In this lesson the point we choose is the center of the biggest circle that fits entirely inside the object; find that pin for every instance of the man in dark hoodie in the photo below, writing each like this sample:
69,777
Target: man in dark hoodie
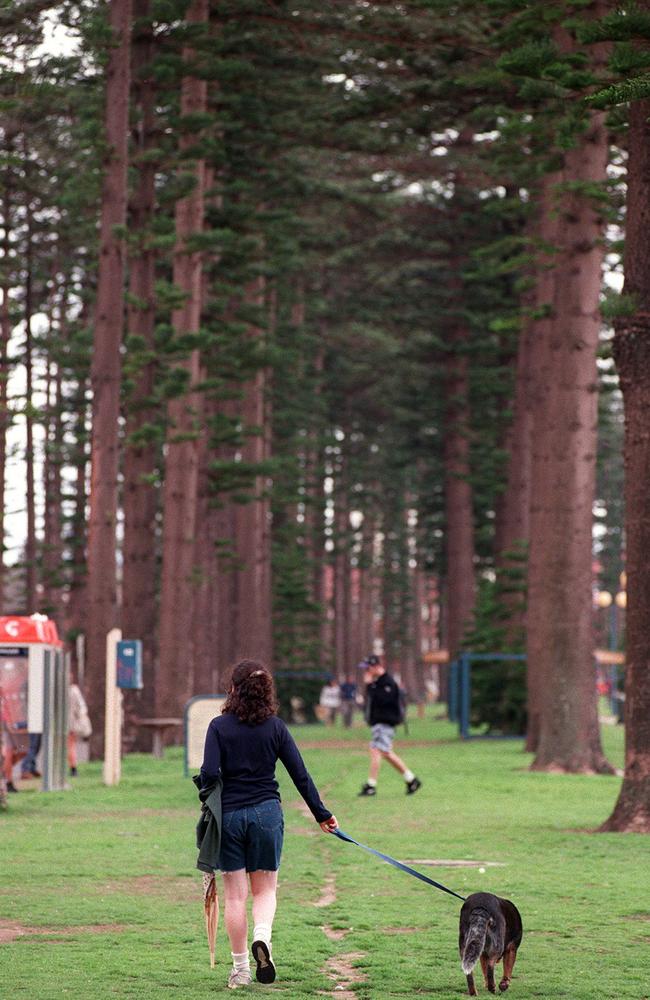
383,713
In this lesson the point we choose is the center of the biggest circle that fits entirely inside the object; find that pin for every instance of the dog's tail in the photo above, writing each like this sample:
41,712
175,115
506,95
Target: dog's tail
474,940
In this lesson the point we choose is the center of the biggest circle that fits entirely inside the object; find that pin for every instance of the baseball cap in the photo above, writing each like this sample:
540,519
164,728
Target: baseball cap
372,660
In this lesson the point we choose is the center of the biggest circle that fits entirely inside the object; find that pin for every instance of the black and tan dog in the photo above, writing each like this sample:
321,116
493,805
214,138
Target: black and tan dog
490,929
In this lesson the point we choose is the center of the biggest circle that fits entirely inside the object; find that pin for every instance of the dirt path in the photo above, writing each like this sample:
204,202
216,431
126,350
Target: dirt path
11,931
339,968
362,745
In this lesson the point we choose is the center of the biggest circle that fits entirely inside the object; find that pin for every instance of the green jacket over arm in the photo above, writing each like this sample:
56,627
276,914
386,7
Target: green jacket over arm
208,829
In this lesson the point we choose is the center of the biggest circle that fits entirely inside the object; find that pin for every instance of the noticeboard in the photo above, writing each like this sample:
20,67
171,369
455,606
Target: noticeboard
129,664
199,713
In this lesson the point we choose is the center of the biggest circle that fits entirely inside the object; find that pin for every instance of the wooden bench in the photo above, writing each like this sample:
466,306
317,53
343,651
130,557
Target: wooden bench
158,728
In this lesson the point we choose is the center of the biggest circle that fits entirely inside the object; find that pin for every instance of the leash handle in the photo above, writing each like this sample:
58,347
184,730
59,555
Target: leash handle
396,864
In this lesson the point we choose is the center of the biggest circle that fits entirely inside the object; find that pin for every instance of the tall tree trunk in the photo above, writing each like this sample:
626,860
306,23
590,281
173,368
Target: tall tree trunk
209,669
458,495
418,631
252,530
141,457
341,573
459,513
227,637
52,469
246,586
560,639
541,336
77,606
5,336
106,370
30,541
365,630
208,625
632,355
175,681
315,502
513,523
512,515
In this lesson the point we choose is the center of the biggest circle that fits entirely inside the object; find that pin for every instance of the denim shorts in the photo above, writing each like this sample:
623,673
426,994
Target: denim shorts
382,737
251,838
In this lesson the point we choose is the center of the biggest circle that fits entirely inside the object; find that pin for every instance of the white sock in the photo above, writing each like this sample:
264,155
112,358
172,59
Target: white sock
240,961
262,932
408,775
372,782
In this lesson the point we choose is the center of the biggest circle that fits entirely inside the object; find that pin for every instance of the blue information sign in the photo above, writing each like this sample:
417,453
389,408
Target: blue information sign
129,664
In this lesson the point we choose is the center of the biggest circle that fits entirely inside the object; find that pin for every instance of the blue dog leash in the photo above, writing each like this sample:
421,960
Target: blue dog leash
396,864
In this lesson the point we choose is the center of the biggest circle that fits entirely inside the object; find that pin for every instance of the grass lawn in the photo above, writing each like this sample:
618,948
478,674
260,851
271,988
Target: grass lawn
99,896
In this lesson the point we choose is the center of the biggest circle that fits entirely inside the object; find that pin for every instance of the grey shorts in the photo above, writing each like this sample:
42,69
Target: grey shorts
382,737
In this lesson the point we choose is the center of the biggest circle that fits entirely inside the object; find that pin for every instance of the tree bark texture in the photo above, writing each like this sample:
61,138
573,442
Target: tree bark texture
209,667
367,588
461,590
341,574
76,613
52,478
106,370
5,335
419,598
141,459
174,683
30,541
632,354
560,627
252,534
513,524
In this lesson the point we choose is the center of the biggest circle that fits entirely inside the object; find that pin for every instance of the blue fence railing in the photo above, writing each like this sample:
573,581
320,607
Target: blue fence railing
460,685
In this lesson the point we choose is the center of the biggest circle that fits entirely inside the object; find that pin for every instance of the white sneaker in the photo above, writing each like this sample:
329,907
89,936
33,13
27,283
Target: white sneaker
239,977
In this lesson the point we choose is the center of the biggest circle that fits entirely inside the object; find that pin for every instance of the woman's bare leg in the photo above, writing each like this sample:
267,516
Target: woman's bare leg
235,887
264,886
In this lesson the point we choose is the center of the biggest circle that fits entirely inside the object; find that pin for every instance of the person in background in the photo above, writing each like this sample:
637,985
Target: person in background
28,767
348,692
7,754
330,701
10,728
242,747
383,712
79,725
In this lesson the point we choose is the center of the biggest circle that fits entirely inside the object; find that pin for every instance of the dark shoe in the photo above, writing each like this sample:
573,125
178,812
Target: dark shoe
11,787
368,790
412,786
73,772
265,972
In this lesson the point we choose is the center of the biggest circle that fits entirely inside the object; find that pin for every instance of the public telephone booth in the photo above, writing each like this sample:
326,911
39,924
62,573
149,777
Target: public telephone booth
34,693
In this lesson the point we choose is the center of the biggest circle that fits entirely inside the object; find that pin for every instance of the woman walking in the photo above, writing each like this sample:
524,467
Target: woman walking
79,725
242,746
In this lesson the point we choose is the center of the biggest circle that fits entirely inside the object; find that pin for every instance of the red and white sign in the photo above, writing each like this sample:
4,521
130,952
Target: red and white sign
19,629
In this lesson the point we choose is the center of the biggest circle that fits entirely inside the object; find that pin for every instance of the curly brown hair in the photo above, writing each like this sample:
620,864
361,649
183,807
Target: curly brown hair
252,693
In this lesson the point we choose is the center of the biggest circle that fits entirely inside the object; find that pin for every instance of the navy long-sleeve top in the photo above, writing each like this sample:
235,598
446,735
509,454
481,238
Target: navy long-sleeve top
246,756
